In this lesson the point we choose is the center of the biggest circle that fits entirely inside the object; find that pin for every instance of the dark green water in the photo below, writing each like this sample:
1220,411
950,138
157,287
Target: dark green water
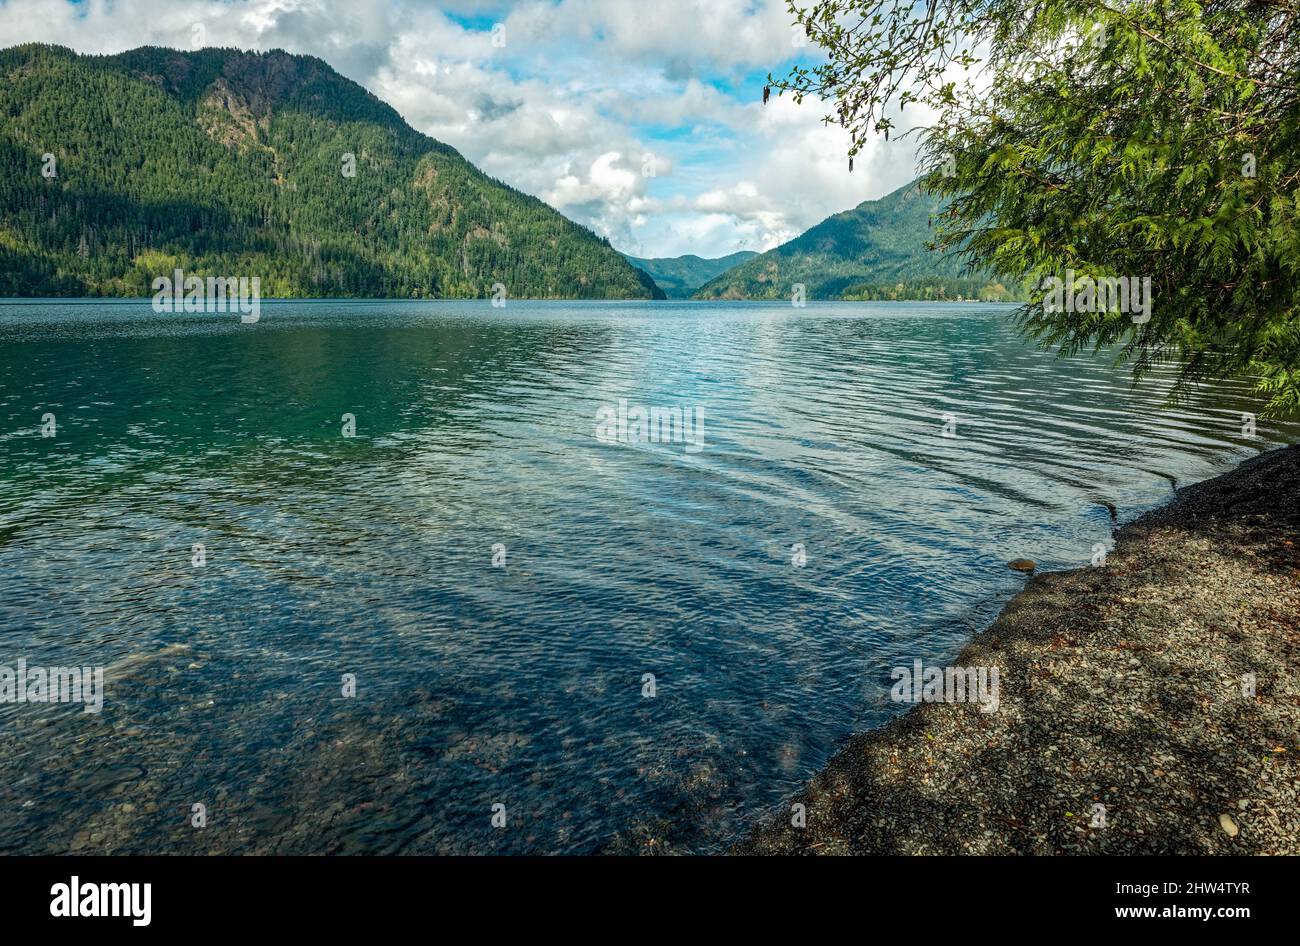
519,685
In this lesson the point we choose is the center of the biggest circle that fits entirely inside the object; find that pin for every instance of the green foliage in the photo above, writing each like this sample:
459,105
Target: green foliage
228,163
934,289
875,251
680,276
1131,138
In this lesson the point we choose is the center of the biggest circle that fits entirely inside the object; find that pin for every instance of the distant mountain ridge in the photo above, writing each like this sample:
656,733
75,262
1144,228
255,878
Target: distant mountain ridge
221,162
877,250
679,276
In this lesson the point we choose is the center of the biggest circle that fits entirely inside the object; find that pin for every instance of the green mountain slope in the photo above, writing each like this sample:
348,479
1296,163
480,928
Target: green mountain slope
874,251
679,276
230,163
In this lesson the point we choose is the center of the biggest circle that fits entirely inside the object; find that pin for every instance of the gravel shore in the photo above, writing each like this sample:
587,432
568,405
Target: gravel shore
1126,722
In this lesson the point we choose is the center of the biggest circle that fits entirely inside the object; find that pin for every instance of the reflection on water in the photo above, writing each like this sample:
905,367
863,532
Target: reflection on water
520,685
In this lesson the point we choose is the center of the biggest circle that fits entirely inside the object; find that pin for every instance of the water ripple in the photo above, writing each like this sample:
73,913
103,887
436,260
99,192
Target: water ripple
521,685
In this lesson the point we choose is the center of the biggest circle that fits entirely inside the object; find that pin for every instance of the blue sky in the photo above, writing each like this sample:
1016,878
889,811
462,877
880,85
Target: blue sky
639,118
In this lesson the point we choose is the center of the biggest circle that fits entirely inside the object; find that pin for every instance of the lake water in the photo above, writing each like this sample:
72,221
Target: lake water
825,531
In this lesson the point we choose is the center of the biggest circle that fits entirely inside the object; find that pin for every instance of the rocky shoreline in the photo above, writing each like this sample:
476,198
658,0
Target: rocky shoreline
1150,705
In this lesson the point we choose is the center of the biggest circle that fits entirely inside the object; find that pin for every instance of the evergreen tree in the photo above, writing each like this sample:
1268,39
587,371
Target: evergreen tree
1127,138
220,162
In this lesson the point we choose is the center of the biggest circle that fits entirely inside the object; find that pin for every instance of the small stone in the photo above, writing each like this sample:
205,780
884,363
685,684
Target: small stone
1022,565
1228,825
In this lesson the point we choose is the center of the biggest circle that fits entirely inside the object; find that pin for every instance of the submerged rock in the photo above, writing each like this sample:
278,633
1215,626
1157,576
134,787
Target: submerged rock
1022,564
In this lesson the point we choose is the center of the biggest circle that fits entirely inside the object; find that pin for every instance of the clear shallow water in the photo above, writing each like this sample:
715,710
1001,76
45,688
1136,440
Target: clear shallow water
520,685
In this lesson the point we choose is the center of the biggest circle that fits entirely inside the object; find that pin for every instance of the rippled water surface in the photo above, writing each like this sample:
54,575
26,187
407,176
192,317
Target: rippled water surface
519,685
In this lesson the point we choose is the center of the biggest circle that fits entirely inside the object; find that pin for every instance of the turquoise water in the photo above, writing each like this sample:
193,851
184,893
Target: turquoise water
521,684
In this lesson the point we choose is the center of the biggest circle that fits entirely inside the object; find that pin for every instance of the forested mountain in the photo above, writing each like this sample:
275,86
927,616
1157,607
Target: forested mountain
679,276
877,250
222,162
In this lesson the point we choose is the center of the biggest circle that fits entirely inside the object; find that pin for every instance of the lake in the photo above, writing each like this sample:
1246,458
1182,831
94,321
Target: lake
366,577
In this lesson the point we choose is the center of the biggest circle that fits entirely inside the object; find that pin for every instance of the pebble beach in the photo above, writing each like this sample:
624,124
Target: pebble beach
1149,705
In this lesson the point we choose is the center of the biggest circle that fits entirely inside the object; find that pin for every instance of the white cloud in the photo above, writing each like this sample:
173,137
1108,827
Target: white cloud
567,109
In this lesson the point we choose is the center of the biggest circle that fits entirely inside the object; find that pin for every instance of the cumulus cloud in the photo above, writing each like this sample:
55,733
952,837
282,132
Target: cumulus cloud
641,121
